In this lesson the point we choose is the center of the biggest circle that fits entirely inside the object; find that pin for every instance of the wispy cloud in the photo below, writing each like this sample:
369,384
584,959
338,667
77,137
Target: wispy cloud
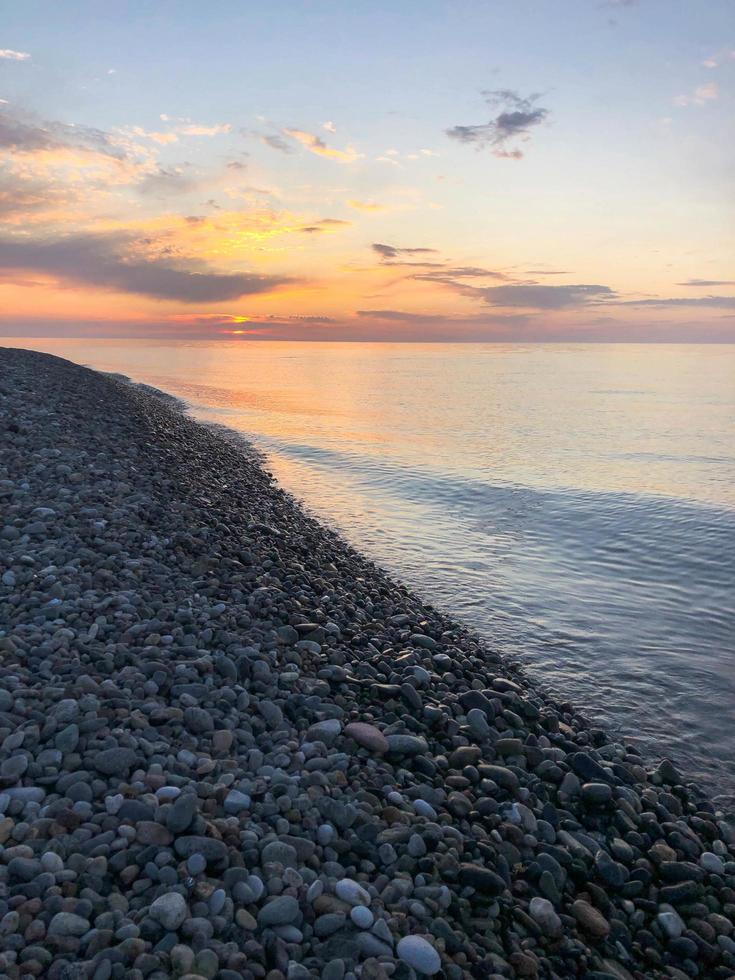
449,273
106,262
325,225
180,127
714,302
276,142
329,126
701,95
166,181
707,282
25,135
315,144
719,58
32,149
403,316
9,55
518,115
366,206
387,252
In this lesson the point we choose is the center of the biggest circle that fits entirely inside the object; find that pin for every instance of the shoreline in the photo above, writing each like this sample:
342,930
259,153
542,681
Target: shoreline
186,651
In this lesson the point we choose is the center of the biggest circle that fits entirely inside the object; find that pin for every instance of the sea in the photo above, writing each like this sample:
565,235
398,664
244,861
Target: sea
572,503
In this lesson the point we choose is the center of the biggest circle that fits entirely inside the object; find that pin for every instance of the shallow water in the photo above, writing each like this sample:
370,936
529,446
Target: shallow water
574,503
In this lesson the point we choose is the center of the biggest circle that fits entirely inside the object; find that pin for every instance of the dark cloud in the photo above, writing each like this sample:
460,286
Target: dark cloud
324,224
393,252
99,261
707,282
514,121
415,265
400,315
715,302
540,297
548,272
236,165
277,142
449,272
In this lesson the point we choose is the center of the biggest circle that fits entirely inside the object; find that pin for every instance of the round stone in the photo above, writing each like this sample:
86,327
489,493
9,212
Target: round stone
362,916
169,910
542,911
418,953
195,864
367,736
352,892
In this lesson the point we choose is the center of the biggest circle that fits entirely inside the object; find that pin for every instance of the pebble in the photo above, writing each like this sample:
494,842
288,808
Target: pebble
352,892
590,919
712,863
278,912
68,924
543,912
362,916
170,910
419,954
367,736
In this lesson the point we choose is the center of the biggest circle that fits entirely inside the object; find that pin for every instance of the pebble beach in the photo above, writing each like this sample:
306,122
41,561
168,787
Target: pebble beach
232,747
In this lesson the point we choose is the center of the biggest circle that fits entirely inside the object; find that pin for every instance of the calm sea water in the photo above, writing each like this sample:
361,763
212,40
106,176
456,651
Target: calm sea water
575,504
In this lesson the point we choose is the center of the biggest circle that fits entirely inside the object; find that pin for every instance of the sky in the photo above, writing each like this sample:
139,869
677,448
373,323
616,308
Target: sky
474,170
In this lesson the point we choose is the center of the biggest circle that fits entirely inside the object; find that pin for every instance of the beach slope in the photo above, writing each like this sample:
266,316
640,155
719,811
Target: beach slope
230,746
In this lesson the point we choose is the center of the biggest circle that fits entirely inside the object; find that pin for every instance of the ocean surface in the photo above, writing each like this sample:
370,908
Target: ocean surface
575,504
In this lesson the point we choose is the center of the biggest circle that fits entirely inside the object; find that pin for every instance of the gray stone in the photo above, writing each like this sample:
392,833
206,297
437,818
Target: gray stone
169,910
281,911
68,924
419,954
115,762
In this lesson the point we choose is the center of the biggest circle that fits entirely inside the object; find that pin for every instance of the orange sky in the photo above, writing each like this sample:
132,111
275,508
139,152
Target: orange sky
146,202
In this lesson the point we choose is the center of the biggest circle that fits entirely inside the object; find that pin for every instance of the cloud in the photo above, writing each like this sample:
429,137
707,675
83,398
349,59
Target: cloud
329,126
67,155
29,200
276,142
393,252
401,315
23,136
714,302
325,224
366,206
315,144
194,129
157,137
707,282
9,55
701,95
166,181
181,127
459,272
104,262
719,58
514,121
548,272
542,297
